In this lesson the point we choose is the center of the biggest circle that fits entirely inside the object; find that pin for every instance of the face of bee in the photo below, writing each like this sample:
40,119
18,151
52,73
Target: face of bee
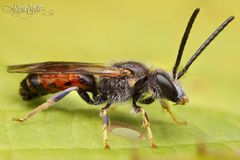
182,98
171,89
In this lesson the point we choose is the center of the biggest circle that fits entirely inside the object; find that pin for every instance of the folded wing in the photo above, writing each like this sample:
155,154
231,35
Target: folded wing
69,68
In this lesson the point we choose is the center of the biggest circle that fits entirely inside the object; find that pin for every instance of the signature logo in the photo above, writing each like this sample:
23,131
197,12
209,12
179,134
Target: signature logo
26,10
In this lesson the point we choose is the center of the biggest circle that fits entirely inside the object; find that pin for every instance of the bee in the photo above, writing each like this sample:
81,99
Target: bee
98,83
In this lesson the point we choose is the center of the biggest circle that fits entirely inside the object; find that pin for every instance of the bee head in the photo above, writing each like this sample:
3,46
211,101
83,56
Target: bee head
164,86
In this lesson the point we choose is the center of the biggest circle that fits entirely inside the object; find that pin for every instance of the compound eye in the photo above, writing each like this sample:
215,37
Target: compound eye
167,87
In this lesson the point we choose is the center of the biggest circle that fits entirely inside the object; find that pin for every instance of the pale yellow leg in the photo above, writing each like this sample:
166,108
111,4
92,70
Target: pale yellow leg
51,101
106,124
146,124
166,106
43,106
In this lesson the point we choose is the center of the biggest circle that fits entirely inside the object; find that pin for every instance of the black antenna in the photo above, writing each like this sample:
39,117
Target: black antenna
184,40
204,45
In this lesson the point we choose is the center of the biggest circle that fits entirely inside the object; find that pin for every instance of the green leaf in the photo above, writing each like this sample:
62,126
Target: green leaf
115,31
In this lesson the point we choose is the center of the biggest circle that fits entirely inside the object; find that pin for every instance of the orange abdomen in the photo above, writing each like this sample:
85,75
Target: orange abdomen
55,83
35,85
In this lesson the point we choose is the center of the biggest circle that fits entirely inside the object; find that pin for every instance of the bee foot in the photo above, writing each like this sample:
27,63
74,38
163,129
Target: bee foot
106,147
154,146
19,119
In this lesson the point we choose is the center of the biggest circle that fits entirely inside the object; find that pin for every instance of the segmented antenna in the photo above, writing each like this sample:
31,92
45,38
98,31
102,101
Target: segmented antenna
184,40
204,45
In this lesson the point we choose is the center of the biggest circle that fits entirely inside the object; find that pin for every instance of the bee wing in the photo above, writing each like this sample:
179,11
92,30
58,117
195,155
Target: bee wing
68,68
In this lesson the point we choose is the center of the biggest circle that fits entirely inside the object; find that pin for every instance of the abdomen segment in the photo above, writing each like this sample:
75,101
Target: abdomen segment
35,85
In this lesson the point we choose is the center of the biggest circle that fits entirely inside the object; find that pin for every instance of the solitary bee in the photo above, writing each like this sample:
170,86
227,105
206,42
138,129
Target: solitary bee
97,84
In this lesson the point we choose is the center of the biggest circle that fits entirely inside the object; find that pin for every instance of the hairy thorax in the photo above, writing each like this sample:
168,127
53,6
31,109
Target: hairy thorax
120,89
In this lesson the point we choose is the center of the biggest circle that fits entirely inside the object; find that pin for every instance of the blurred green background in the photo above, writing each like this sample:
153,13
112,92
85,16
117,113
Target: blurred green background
111,31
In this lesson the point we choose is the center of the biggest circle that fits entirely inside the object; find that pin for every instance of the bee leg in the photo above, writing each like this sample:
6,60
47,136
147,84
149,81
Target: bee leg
97,99
147,100
166,106
146,123
139,87
106,125
47,104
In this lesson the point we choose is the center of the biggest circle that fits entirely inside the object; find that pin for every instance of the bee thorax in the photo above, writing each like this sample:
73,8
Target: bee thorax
115,89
